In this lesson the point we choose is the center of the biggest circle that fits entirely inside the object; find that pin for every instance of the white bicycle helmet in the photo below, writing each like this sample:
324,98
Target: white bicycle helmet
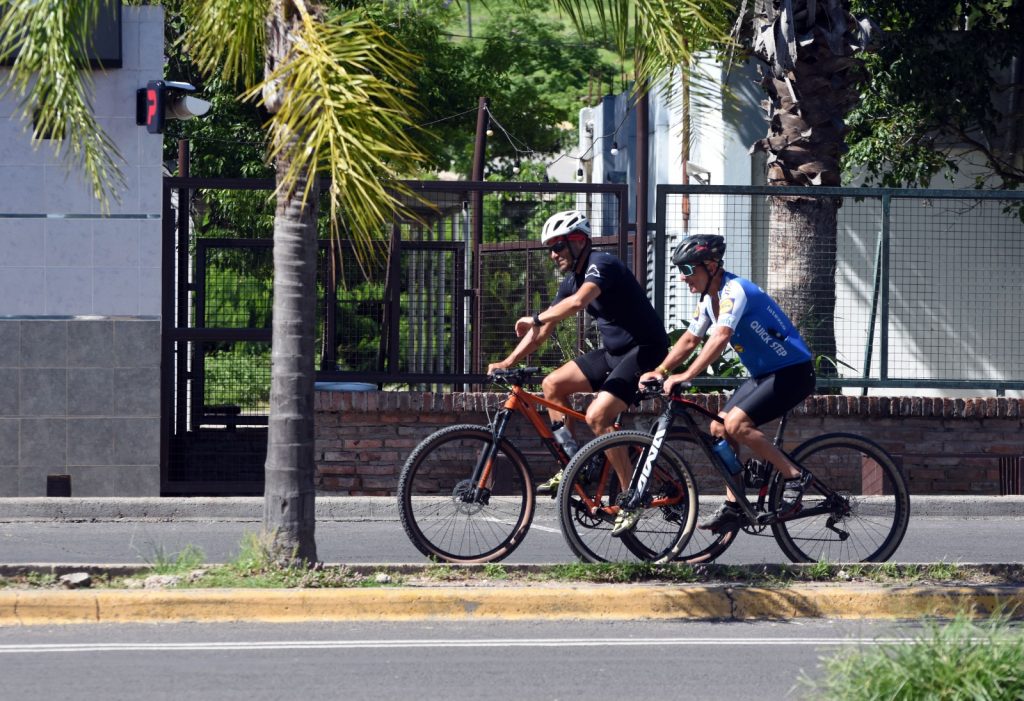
563,224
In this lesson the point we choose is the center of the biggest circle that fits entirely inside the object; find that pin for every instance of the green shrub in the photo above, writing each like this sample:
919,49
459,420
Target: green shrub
956,661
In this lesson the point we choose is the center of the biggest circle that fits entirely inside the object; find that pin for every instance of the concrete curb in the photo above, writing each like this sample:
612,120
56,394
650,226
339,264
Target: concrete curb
369,508
605,602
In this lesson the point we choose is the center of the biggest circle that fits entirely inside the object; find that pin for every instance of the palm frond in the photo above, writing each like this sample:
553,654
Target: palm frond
227,36
672,32
52,83
346,114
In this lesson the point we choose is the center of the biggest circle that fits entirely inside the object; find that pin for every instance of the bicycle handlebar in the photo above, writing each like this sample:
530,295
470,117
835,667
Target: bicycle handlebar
513,376
655,388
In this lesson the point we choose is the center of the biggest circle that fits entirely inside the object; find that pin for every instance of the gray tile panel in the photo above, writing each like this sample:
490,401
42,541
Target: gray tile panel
9,434
44,343
90,391
43,443
10,379
90,441
10,343
91,343
44,392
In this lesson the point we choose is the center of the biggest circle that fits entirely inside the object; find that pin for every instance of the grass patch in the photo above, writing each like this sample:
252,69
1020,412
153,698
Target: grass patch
254,567
958,660
187,560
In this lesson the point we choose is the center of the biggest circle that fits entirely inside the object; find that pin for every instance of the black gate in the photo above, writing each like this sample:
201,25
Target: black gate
429,311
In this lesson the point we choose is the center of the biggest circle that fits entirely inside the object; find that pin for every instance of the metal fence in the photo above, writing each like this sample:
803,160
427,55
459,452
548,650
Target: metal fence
925,289
927,285
433,305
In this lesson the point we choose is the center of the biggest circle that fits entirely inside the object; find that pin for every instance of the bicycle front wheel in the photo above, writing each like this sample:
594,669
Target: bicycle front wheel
588,494
855,510
703,546
449,518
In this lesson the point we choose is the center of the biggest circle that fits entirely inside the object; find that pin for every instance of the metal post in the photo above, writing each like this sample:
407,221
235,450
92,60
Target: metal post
642,166
883,333
869,344
477,199
659,252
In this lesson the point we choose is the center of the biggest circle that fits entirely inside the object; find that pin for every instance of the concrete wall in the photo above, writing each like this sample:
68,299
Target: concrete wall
946,446
80,296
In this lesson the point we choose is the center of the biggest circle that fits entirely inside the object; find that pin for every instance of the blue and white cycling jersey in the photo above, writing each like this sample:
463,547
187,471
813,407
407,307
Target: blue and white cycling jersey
763,336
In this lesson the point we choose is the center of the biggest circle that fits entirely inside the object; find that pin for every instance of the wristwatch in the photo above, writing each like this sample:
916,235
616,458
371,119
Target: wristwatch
536,320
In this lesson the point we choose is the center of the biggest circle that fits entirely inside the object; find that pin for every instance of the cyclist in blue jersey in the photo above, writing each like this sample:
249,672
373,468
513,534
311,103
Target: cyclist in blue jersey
633,337
734,311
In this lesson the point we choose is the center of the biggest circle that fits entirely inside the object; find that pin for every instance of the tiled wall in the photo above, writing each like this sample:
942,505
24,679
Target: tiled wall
80,397
80,296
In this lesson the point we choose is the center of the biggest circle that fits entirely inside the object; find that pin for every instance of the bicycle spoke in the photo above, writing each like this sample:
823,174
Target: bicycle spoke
437,505
862,476
667,504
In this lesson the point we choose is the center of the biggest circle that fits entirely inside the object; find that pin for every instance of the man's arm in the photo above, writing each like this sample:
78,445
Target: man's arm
533,335
713,348
679,352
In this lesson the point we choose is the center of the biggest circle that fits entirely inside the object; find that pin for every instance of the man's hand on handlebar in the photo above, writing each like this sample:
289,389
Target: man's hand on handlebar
493,367
652,383
518,376
675,385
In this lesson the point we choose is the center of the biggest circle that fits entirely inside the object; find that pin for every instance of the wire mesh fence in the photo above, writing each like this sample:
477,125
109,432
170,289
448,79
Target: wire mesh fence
890,288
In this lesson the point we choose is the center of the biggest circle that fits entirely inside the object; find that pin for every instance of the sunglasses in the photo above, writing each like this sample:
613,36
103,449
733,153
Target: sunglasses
687,269
559,246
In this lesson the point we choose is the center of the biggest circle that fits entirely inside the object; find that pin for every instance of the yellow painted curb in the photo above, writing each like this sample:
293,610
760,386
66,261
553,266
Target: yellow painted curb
606,602
853,601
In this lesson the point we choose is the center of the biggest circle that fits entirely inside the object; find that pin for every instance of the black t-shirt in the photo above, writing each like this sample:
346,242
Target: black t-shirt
624,315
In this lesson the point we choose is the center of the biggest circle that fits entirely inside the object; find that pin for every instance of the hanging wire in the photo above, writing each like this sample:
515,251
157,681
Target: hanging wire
528,153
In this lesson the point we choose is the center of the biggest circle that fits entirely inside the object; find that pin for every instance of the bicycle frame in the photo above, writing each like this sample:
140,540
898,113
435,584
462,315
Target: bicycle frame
525,403
683,408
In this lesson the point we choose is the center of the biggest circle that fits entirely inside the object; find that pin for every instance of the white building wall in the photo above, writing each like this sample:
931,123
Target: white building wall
80,297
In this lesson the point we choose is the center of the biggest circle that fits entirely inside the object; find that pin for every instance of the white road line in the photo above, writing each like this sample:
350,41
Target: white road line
397,644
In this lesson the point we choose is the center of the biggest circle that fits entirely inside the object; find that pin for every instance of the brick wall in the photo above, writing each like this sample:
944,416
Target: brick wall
947,446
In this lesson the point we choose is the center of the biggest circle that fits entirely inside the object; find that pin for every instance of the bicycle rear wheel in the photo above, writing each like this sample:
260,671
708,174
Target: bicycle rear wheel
436,504
589,490
864,497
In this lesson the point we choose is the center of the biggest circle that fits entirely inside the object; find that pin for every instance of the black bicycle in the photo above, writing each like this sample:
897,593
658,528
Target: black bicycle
856,508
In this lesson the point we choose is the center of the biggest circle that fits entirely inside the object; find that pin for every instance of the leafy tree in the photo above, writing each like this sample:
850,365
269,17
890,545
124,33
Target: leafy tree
335,90
811,51
945,85
535,74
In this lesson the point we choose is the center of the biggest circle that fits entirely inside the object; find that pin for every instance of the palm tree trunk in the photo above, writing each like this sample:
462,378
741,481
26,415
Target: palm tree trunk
289,517
802,268
811,48
289,497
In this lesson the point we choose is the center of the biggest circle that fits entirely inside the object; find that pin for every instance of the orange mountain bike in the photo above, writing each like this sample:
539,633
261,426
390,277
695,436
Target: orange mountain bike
466,492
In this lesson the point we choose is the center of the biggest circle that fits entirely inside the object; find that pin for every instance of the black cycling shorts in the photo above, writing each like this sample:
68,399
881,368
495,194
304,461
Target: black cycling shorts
770,396
619,374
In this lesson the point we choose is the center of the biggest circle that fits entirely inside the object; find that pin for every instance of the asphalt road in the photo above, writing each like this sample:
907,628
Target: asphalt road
456,661
929,539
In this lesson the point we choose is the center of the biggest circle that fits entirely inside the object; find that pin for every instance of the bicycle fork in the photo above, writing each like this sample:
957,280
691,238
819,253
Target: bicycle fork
482,475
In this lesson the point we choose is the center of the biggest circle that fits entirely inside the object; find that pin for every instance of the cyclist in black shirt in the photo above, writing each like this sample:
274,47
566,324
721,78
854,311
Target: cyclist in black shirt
633,338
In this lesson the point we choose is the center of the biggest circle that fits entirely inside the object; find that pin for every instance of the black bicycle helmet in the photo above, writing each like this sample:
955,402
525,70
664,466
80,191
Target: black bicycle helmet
698,248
